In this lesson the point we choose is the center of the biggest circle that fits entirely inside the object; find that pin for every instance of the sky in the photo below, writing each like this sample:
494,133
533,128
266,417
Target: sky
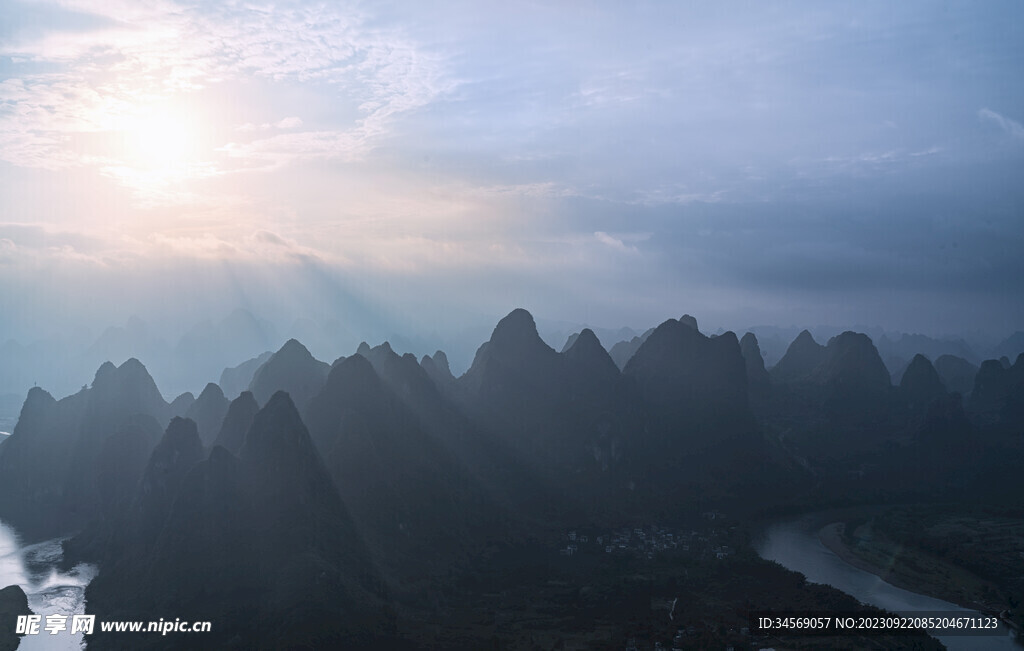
419,166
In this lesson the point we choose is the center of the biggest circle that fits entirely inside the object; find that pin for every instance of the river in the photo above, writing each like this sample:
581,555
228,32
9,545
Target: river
50,591
794,544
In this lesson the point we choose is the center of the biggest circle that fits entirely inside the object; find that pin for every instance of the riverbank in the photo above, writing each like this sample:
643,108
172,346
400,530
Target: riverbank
912,572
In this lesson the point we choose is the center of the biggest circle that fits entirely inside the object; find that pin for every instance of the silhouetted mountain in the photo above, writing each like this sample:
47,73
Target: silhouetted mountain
998,395
534,399
802,359
758,379
35,459
856,382
235,380
695,387
991,391
262,545
122,462
852,362
689,322
570,340
598,407
178,450
116,395
623,351
591,359
297,501
237,422
180,405
208,412
54,460
437,368
515,357
957,373
135,520
426,506
921,384
293,370
13,602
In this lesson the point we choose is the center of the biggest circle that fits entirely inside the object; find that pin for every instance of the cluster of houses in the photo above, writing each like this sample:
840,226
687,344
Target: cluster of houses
647,541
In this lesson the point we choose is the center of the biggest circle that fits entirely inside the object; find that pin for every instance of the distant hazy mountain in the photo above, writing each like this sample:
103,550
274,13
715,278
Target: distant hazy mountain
236,422
291,369
905,346
1010,347
623,351
802,359
235,380
957,373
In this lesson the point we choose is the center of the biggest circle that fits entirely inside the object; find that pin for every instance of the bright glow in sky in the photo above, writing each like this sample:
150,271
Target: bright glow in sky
747,162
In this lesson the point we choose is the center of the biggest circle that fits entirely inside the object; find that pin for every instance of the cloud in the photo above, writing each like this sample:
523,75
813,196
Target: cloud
1013,128
614,242
71,84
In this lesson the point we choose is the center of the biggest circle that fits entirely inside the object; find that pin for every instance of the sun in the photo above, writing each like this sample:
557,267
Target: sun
161,138
153,147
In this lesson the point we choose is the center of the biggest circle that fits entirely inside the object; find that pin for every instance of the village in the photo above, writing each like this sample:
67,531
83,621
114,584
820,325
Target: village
707,538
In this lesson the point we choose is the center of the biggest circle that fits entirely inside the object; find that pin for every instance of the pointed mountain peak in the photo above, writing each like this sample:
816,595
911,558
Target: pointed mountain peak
689,322
132,366
570,341
356,373
104,373
748,343
757,376
586,342
515,329
272,426
852,359
921,382
293,369
384,348
437,368
278,441
237,422
212,391
364,349
293,348
37,398
804,338
208,412
181,404
588,352
802,359
441,359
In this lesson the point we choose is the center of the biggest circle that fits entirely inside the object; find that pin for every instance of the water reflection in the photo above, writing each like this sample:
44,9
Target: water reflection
50,591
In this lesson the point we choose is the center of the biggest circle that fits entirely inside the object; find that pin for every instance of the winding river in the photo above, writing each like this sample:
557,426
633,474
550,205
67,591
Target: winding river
794,544
35,568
